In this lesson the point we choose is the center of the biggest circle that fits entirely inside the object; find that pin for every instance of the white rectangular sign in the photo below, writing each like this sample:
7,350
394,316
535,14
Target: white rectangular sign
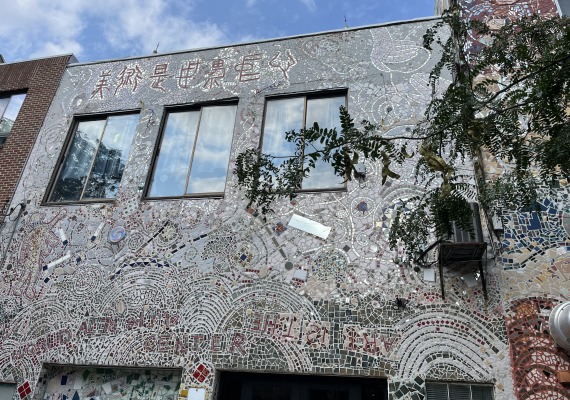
310,226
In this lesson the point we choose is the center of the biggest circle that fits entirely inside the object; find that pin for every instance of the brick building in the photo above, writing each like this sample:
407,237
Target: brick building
26,91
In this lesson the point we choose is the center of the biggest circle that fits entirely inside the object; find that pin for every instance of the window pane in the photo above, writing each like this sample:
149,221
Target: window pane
73,175
326,113
7,391
3,103
173,162
281,116
9,109
212,154
5,126
459,392
14,106
482,392
111,158
436,391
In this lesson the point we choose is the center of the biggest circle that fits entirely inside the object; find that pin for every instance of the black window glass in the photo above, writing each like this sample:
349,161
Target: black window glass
95,160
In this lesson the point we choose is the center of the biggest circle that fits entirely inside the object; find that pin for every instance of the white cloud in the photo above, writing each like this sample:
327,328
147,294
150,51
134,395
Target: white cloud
62,47
140,25
34,28
310,4
30,28
248,38
250,3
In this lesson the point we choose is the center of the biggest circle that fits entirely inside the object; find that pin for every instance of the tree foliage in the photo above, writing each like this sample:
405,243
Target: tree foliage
509,96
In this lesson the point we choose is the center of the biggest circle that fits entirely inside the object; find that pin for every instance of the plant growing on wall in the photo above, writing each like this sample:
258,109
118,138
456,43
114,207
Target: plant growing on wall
509,96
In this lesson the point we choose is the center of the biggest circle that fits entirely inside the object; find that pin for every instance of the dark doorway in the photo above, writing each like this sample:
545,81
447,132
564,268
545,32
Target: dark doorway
251,386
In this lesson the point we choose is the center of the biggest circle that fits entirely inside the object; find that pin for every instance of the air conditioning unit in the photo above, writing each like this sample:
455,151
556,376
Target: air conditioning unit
461,236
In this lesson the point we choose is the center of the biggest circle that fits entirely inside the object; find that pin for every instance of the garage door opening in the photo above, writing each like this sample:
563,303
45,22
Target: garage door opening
251,386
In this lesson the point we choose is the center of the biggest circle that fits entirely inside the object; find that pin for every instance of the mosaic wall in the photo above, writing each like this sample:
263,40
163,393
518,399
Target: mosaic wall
536,358
204,284
489,10
534,252
535,267
497,13
75,383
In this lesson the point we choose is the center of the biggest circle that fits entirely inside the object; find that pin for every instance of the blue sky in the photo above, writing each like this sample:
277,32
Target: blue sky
103,29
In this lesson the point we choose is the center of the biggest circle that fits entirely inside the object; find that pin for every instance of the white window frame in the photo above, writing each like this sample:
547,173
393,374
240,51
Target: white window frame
149,195
4,134
335,93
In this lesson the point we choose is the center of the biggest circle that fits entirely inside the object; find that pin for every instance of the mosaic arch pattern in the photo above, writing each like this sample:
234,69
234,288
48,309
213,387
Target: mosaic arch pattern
203,284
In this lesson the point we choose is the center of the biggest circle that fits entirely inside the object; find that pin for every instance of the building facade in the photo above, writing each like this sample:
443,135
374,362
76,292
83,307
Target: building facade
26,90
533,256
137,271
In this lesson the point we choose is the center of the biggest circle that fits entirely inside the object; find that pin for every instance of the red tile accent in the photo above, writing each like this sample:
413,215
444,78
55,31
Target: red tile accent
201,373
24,389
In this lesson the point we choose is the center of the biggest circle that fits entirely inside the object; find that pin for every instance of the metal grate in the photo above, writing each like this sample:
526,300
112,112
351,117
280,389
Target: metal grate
458,391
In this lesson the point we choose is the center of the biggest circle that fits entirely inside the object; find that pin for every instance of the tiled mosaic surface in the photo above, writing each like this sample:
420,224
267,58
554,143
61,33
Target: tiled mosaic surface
536,358
536,277
202,284
497,13
75,383
534,253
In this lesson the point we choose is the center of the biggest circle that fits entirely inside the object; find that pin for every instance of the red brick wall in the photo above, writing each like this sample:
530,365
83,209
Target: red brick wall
40,80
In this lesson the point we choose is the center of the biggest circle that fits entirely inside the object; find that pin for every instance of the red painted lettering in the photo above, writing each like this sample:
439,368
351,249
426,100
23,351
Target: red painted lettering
238,342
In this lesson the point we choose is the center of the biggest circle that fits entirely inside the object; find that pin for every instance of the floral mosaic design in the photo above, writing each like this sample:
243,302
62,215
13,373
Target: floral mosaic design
497,13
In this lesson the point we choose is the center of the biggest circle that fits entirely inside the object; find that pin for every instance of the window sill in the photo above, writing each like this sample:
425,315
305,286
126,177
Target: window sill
214,196
317,191
77,203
